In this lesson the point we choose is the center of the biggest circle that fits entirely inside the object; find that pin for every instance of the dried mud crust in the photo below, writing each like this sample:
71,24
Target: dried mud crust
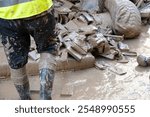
126,17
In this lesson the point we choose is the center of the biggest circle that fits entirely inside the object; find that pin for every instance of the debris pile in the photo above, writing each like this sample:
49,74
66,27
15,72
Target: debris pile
86,29
82,32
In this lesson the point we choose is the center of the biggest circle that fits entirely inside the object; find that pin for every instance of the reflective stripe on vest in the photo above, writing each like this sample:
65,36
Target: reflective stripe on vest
16,9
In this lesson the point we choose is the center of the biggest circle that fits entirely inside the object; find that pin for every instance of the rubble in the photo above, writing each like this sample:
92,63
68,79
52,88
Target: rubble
86,32
89,31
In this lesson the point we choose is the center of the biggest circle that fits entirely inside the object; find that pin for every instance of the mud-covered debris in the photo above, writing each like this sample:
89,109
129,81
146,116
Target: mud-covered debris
100,66
96,39
88,17
88,30
34,55
91,6
116,38
71,26
129,53
112,54
75,54
104,65
123,47
143,60
123,59
138,3
83,31
145,11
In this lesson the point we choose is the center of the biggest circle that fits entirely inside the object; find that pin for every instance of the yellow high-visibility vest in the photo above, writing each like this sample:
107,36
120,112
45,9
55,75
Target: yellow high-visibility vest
17,9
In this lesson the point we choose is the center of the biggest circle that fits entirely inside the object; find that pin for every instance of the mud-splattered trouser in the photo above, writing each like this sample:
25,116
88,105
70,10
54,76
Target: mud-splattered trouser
16,41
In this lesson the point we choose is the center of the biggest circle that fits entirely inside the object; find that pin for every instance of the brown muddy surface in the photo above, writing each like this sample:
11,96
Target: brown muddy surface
99,84
96,84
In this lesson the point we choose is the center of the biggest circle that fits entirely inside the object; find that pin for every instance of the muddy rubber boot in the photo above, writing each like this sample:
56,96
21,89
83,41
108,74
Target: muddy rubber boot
46,83
143,60
23,91
21,82
47,65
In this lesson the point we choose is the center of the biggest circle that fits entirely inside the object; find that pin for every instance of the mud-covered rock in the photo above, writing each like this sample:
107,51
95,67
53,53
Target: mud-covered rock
126,17
143,60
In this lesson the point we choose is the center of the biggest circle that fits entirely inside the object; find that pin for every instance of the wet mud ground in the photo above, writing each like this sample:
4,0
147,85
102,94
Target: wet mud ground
95,84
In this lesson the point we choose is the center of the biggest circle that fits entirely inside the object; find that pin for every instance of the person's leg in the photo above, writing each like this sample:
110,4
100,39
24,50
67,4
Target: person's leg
43,31
21,82
16,45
